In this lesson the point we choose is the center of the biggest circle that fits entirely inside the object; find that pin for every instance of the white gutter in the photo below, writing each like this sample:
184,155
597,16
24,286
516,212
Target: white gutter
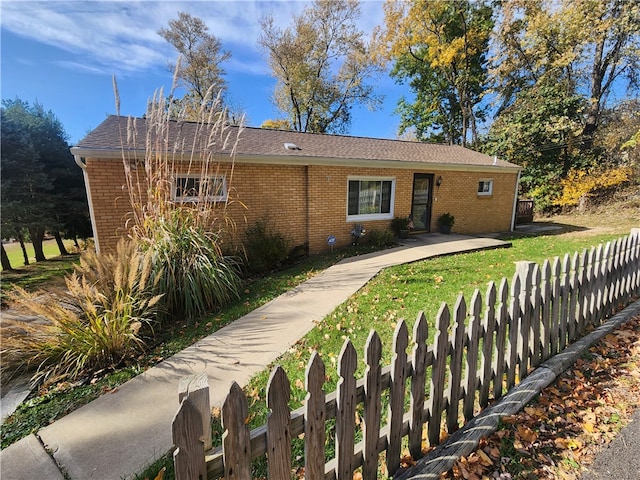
300,160
92,214
515,203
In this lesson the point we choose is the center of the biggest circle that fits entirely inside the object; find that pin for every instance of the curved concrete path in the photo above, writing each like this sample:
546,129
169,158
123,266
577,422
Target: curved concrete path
119,434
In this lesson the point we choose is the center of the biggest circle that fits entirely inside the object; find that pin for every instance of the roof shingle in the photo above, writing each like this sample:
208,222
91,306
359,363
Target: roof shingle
258,142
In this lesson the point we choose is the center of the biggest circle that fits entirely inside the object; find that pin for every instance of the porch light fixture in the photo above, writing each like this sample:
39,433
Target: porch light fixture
439,181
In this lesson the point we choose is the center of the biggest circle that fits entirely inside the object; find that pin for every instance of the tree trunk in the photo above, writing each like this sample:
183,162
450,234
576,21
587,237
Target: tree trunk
61,247
37,237
6,264
603,62
591,124
23,247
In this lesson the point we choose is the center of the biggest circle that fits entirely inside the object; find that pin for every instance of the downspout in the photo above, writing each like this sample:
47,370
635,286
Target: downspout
307,196
515,203
92,214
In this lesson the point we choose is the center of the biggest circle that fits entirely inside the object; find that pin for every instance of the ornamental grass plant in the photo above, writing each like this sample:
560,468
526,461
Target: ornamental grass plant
195,277
184,236
171,266
99,321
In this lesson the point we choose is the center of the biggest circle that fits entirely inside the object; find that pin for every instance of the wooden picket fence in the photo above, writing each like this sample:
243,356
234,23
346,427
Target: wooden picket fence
488,351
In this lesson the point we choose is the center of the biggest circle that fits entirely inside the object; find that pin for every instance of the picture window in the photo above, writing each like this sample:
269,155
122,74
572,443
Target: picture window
370,198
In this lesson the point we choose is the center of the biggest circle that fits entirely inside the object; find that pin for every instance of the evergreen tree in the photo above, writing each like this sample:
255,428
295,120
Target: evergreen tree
42,188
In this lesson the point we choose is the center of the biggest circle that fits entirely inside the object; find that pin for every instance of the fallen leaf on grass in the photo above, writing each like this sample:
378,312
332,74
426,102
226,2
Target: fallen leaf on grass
526,434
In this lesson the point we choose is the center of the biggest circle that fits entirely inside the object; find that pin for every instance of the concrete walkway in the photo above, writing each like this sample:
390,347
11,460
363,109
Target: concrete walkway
120,433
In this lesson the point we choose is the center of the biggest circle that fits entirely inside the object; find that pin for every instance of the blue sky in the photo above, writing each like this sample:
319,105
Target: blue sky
64,54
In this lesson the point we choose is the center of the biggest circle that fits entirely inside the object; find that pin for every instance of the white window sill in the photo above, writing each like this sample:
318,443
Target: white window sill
368,218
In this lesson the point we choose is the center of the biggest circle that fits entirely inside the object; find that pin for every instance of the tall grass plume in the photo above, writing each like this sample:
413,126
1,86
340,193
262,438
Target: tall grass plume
185,237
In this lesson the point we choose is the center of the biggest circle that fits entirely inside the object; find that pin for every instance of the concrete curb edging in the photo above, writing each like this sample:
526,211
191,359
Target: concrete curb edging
464,441
29,460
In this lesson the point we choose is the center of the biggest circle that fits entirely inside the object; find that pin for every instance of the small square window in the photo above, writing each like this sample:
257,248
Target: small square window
485,187
194,188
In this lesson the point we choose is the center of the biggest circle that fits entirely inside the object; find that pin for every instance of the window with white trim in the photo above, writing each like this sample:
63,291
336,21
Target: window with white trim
193,188
485,187
370,198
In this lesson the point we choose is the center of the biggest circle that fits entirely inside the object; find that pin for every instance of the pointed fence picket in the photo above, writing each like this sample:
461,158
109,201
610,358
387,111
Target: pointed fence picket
486,354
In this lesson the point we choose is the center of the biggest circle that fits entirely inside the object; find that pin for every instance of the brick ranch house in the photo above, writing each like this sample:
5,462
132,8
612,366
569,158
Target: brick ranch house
312,186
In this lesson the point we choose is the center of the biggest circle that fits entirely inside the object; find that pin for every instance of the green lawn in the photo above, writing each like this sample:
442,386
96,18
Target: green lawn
401,293
50,248
397,293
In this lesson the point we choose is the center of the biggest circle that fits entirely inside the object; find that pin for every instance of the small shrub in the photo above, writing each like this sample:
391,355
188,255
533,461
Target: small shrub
380,238
581,185
265,248
96,323
399,223
446,220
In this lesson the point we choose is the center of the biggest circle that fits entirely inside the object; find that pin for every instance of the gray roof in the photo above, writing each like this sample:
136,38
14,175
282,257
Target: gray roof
269,146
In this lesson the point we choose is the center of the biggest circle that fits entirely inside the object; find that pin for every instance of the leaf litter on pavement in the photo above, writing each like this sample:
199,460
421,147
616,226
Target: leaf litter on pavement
558,434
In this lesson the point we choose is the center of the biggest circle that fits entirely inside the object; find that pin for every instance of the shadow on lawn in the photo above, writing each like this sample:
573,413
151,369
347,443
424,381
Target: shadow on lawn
542,228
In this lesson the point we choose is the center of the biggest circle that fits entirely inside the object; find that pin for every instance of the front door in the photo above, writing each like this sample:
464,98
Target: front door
421,203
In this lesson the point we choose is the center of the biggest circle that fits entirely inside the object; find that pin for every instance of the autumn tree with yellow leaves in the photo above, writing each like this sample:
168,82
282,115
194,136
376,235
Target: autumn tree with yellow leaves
440,49
592,46
561,71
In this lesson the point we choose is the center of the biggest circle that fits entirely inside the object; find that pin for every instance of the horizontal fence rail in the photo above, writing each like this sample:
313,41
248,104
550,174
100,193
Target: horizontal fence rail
480,351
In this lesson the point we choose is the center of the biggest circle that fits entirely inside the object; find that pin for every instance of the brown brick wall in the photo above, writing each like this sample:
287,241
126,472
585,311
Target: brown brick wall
274,194
328,203
110,200
277,194
458,195
271,193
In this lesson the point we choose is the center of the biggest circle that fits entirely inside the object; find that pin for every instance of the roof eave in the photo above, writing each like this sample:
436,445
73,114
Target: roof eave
131,154
356,162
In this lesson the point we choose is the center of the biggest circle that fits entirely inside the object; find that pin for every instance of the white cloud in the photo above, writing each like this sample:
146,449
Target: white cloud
101,35
122,36
79,67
